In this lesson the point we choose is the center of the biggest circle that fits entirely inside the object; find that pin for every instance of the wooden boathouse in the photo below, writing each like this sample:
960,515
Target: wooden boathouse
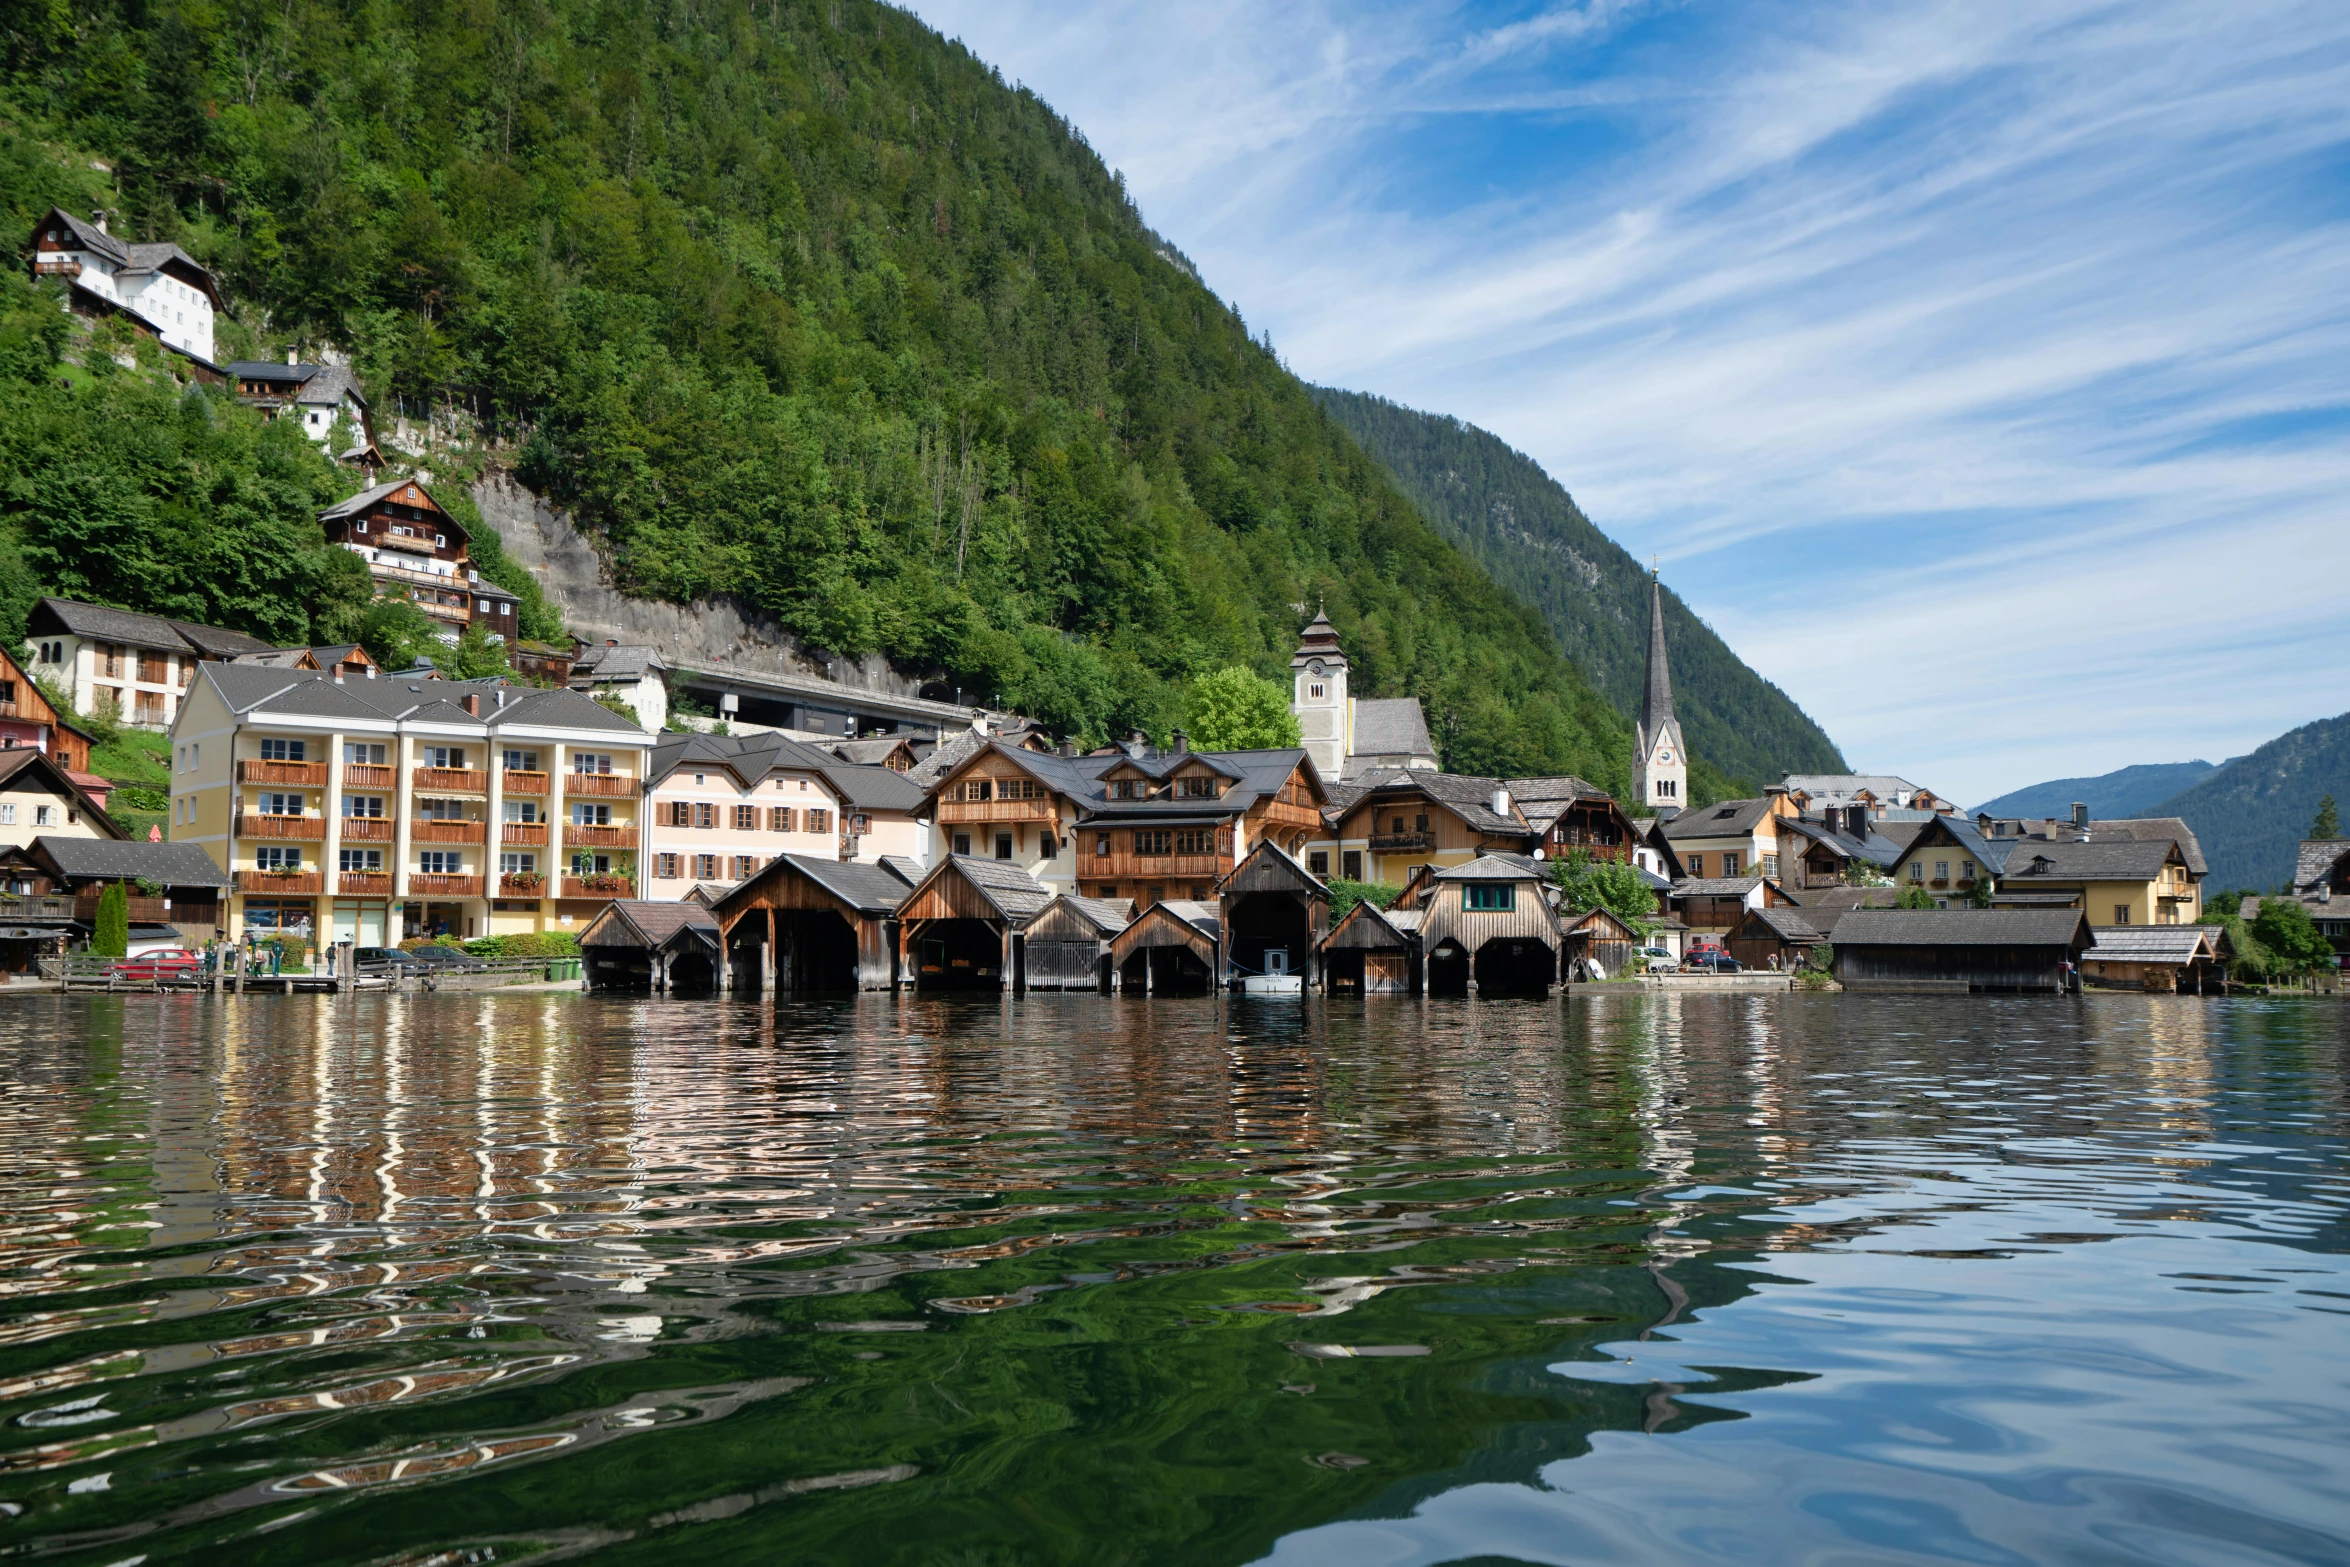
656,947
1373,952
806,923
1489,923
1272,914
2176,959
2032,951
1171,946
960,928
1067,947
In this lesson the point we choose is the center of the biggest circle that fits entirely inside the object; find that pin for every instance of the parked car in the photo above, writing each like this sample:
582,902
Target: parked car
1710,960
446,958
161,963
1656,957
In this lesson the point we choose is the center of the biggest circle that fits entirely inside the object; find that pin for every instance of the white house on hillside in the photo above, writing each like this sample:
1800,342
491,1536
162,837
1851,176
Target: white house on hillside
160,287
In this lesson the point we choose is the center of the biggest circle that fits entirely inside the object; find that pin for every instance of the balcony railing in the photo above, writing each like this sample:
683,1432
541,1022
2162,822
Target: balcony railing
524,835
577,837
38,907
519,782
605,887
299,884
367,829
10,710
148,911
307,775
366,775
364,884
57,269
522,884
1165,867
452,780
1388,843
622,784
308,829
995,810
448,832
435,885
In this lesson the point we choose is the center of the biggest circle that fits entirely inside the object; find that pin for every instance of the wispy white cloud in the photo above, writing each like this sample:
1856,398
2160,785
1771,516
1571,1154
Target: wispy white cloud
1936,346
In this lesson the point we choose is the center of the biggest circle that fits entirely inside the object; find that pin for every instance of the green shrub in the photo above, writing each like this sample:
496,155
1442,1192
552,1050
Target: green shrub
111,931
526,944
1344,895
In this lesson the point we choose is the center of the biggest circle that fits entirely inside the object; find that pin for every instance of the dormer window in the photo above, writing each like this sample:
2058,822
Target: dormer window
1196,786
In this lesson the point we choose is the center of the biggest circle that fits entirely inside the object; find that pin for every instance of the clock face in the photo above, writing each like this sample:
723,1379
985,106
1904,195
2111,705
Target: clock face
1315,669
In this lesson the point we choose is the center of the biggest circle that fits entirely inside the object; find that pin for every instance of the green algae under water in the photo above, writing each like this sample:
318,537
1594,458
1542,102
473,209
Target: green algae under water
1078,1279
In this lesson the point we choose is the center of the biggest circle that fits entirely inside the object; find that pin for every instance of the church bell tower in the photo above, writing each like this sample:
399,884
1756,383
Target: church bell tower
1660,762
1318,696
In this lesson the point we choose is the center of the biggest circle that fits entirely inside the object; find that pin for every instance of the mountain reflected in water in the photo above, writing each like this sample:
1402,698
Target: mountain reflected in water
1088,1279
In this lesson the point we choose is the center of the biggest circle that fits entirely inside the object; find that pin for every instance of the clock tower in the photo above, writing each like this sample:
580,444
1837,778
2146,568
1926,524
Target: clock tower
1318,697
1660,762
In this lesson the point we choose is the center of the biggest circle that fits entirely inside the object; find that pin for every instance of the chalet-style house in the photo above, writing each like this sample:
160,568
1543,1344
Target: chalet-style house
38,797
415,550
2126,881
1946,857
347,659
720,808
53,885
29,721
138,664
314,397
634,674
1349,736
2321,884
1883,795
160,289
1135,823
1714,906
1733,838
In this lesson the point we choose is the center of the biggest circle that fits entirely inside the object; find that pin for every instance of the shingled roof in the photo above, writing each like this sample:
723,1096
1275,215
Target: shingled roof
1391,726
2156,943
113,859
1961,928
104,624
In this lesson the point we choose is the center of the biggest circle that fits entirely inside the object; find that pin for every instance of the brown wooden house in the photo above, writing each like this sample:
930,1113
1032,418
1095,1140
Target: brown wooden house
1174,945
1067,947
29,719
415,550
960,928
806,923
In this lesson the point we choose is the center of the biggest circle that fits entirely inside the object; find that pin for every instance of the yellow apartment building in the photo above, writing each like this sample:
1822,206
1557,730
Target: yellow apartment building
373,810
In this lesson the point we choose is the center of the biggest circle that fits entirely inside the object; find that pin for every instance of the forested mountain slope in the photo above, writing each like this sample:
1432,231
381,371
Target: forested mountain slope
1516,521
797,301
2251,814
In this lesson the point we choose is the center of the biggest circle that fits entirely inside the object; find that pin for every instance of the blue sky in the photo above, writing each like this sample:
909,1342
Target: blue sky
1980,371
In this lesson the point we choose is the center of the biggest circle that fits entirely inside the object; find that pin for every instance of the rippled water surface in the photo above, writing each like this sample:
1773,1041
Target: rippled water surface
1090,1280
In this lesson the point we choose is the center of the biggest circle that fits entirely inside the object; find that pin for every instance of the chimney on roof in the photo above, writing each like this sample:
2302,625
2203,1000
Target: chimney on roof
1182,743
98,216
473,704
1500,801
2081,819
293,357
338,674
1068,745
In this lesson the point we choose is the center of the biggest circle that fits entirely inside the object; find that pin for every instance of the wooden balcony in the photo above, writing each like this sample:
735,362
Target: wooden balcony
15,911
1284,814
995,811
1153,867
522,884
367,829
448,832
146,911
302,775
451,780
364,884
306,829
576,837
1394,842
605,887
57,269
302,884
421,885
11,710
524,835
516,781
622,785
365,775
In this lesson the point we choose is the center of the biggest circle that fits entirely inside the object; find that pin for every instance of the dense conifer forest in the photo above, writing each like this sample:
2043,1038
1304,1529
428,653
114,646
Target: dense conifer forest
1517,522
795,301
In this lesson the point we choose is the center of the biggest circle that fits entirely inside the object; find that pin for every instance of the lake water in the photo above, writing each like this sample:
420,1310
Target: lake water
1074,1279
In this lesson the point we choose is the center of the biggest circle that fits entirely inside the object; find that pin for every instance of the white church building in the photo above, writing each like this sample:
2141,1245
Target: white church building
1345,735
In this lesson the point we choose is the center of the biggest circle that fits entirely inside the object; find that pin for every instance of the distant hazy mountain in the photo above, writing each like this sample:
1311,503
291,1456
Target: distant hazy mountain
1527,532
2251,813
2124,793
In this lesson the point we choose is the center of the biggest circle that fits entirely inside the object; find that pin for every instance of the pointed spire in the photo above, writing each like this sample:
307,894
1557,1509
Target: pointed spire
1656,708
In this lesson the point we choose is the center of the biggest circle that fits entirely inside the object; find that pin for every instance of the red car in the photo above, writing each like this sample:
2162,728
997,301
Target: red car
162,963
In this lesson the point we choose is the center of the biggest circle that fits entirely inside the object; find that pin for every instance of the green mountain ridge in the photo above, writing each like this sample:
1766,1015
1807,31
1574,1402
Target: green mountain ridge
1500,507
2250,815
2126,791
798,302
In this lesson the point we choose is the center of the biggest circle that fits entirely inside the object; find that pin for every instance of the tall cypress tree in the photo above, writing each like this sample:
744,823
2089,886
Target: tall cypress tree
2328,823
110,936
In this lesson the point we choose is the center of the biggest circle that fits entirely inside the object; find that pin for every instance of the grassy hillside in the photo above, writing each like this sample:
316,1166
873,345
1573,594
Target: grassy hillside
2251,814
800,302
2127,791
1517,522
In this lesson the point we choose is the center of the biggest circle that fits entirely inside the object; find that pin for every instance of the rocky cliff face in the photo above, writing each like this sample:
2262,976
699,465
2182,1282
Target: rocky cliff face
720,633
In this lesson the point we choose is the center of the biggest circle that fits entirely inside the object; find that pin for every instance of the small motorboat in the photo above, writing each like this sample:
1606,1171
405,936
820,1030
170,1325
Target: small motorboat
1273,985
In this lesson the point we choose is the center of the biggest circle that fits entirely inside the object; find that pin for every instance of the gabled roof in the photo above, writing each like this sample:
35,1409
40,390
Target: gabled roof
1962,928
1081,779
872,787
2157,943
904,867
1469,798
1391,726
247,689
109,859
1494,867
104,624
132,258
630,922
1787,924
1107,915
2317,860
368,497
1722,819
629,662
1715,886
1014,894
1846,788
866,887
2125,860
1400,927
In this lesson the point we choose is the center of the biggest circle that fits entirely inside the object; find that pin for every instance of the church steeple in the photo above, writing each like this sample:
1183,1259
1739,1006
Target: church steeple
1660,763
